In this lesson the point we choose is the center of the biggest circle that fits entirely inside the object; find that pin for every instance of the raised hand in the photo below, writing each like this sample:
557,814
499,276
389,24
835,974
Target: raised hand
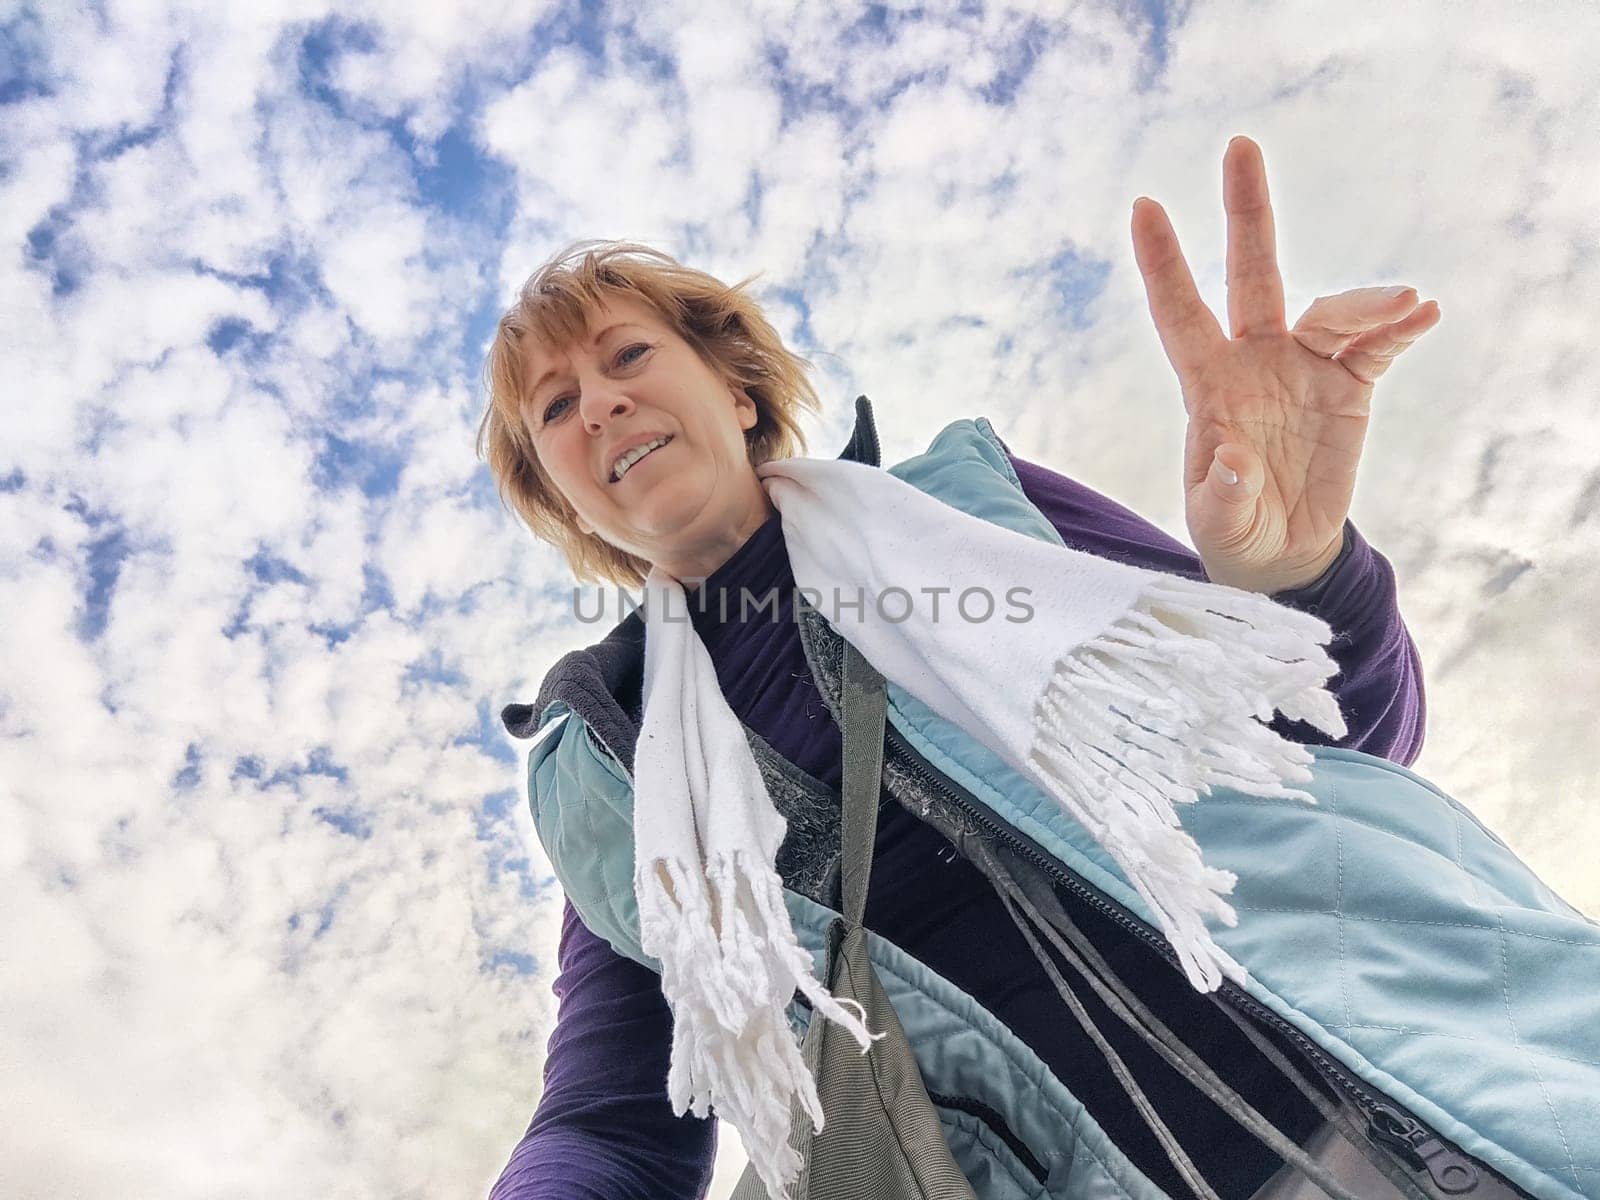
1277,416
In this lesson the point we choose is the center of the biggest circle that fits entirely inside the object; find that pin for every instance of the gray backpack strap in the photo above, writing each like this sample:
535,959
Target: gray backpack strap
881,1135
866,704
1080,953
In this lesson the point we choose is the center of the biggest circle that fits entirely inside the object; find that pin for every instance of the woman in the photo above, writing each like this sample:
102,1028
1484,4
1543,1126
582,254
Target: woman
632,400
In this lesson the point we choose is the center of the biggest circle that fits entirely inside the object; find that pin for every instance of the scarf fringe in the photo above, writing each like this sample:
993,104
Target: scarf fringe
730,964
1169,701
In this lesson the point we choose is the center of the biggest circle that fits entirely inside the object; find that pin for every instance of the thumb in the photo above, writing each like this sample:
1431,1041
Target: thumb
1234,481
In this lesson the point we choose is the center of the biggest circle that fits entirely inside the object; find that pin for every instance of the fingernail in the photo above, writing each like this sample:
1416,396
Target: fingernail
1391,293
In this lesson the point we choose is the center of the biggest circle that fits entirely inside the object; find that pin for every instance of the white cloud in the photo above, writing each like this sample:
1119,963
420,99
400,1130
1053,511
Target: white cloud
273,607
420,53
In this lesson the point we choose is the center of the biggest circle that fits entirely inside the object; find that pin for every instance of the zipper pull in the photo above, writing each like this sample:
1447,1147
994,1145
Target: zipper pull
1451,1172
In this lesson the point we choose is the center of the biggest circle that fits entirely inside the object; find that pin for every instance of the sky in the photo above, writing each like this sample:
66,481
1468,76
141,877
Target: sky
275,919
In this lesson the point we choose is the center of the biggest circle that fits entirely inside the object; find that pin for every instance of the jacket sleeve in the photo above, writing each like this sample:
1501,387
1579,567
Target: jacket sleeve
1379,681
604,1128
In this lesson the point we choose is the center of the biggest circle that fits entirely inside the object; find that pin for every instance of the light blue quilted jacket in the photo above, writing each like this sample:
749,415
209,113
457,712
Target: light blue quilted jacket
1411,957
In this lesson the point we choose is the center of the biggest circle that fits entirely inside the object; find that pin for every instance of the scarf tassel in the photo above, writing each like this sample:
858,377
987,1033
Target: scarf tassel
1156,710
723,974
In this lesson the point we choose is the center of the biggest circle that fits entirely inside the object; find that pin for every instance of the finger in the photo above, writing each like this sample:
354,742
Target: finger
1188,330
1332,323
1373,353
1234,482
1255,288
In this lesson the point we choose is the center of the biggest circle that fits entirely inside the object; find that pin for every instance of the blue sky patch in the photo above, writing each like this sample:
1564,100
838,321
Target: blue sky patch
522,964
188,778
22,60
346,820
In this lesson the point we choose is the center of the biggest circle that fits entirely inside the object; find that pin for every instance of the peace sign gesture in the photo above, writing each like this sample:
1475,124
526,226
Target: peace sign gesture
1283,410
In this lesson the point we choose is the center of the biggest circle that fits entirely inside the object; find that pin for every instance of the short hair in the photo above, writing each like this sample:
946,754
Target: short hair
723,324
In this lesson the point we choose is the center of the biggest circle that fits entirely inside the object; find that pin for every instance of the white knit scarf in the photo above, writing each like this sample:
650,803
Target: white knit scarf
1126,693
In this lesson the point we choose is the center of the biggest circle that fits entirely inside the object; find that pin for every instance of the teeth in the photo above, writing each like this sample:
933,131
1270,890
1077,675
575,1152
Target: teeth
633,456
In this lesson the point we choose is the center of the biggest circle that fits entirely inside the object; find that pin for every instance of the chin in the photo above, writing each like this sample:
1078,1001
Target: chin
666,511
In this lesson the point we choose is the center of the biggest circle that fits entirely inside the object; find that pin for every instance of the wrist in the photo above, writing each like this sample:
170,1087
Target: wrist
1277,579
1319,570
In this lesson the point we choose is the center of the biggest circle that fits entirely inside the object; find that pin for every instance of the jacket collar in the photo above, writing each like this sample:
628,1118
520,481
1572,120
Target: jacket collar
604,683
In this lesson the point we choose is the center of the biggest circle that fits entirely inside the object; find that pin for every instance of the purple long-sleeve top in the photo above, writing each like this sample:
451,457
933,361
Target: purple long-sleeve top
604,1128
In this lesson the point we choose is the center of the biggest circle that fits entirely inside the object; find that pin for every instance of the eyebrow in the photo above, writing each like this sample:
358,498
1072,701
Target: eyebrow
543,379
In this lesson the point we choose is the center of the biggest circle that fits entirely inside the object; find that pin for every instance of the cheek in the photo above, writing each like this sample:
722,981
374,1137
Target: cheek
562,462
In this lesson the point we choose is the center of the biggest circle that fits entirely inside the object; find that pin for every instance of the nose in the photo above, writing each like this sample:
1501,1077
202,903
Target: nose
599,405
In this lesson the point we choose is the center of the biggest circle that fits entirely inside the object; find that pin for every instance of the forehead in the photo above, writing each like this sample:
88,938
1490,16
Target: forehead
612,310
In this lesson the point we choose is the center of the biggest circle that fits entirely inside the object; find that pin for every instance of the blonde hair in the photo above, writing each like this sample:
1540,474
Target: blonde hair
723,325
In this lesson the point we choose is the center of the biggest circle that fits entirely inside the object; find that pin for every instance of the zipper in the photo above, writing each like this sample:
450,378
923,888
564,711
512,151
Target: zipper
1451,1172
864,416
996,1122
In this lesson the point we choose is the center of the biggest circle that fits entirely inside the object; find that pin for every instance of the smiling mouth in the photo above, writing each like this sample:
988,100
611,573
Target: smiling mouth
626,470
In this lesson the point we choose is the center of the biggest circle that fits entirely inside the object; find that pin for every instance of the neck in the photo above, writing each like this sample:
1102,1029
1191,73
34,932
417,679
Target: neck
690,564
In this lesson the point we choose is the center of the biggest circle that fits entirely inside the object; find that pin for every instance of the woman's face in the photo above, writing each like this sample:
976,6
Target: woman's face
686,506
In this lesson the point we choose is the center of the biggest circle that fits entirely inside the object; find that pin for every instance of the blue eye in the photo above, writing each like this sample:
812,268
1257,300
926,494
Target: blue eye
550,412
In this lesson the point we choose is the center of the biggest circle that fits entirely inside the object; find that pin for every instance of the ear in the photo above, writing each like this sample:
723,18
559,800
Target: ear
584,527
744,409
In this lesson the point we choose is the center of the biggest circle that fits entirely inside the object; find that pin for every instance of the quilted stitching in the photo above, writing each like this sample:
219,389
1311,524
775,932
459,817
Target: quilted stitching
1393,856
1505,995
995,1150
1461,909
1338,900
914,990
